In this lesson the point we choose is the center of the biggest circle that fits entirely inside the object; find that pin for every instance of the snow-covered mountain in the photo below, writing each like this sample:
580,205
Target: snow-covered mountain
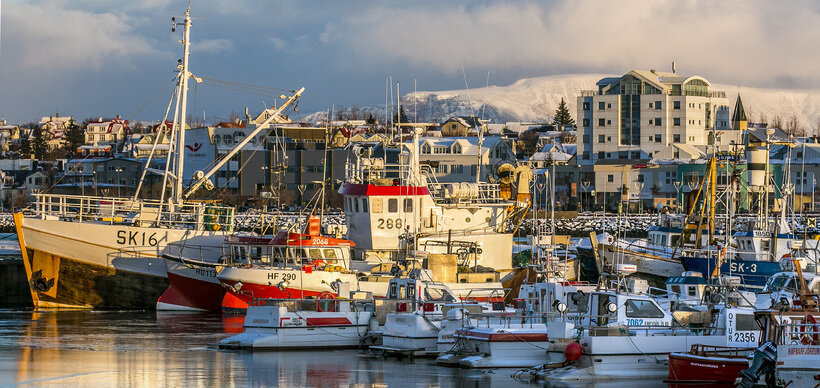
535,99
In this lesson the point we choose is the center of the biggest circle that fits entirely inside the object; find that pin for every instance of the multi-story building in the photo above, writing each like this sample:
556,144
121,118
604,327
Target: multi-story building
102,131
642,113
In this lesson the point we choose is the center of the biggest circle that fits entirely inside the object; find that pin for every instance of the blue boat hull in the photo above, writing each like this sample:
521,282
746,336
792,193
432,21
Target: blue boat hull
752,273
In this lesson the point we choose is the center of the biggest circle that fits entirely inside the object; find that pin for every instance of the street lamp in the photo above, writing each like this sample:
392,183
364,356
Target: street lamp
118,170
585,186
678,186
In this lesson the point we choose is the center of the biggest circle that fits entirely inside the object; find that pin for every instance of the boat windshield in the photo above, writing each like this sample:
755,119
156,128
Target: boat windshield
778,283
438,295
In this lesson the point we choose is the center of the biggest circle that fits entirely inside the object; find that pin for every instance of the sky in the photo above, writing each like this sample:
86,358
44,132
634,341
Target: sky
90,58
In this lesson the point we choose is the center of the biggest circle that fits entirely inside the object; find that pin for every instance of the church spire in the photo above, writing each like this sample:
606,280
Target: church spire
739,115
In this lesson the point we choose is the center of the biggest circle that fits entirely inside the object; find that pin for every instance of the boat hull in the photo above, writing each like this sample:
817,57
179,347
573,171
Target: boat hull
189,292
690,368
752,273
83,265
798,365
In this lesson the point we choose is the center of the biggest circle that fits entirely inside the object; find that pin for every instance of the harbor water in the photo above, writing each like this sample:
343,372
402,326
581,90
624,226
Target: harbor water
150,349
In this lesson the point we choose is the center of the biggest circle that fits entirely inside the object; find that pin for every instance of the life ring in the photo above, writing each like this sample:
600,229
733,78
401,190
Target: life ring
809,326
326,302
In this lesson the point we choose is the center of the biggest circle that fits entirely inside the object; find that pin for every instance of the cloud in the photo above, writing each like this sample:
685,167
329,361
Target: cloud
39,37
211,45
754,42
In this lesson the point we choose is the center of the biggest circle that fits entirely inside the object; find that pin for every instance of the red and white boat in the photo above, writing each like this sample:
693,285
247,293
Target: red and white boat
287,266
705,364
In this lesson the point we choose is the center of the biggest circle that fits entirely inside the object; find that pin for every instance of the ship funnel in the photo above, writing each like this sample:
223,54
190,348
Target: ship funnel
756,159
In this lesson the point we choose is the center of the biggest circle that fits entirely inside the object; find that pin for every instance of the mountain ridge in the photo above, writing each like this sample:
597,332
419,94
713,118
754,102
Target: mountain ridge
536,99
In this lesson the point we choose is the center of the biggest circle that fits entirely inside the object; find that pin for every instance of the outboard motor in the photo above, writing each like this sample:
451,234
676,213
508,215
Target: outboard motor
762,363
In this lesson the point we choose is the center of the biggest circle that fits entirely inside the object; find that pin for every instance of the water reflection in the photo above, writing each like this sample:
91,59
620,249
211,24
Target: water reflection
147,349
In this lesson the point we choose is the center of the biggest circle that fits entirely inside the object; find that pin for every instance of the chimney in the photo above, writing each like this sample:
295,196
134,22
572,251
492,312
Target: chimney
652,71
674,68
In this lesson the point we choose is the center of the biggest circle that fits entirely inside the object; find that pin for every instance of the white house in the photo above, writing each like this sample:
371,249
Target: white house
457,159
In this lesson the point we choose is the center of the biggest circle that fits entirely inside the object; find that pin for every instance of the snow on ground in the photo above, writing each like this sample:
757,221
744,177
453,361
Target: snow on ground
536,99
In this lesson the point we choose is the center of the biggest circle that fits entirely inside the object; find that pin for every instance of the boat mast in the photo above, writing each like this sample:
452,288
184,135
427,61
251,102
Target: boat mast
184,74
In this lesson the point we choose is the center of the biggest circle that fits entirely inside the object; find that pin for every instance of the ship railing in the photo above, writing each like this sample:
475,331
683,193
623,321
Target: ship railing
803,331
720,351
508,320
126,211
315,304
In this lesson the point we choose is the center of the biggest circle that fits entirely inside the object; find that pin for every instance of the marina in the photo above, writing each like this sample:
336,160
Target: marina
336,249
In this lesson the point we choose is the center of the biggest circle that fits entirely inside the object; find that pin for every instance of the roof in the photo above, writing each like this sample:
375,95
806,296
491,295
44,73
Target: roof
690,149
759,135
739,113
469,145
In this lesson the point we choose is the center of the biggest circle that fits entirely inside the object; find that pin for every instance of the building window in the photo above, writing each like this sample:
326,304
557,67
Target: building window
601,105
608,105
658,121
587,139
640,178
657,105
657,138
585,155
676,104
651,105
676,138
623,155
636,154
586,106
609,122
425,149
676,121
610,178
586,122
601,122
601,138
601,155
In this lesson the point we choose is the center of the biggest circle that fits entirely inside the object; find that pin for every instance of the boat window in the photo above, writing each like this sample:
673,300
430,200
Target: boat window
438,295
692,290
764,245
376,204
577,302
330,253
674,241
675,288
408,205
356,205
663,240
642,309
746,322
315,253
393,205
815,288
411,291
392,292
364,205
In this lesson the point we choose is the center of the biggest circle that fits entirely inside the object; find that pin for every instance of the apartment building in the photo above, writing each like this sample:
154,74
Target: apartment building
638,115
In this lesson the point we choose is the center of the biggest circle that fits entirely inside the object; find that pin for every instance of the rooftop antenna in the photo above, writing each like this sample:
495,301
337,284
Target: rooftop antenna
486,86
480,131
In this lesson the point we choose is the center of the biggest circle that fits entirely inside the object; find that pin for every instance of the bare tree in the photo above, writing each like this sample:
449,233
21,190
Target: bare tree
761,119
794,128
816,127
777,122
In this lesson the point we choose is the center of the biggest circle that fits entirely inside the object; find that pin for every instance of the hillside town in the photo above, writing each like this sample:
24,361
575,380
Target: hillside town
639,143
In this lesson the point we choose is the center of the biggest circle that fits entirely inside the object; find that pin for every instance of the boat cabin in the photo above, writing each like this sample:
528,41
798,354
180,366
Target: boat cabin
288,249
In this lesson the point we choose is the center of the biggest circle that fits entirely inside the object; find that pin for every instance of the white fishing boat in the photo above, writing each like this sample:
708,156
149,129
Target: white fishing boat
628,335
298,324
413,328
519,339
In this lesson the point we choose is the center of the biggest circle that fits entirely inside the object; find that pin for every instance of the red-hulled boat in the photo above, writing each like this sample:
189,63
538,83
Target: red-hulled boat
287,266
705,364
